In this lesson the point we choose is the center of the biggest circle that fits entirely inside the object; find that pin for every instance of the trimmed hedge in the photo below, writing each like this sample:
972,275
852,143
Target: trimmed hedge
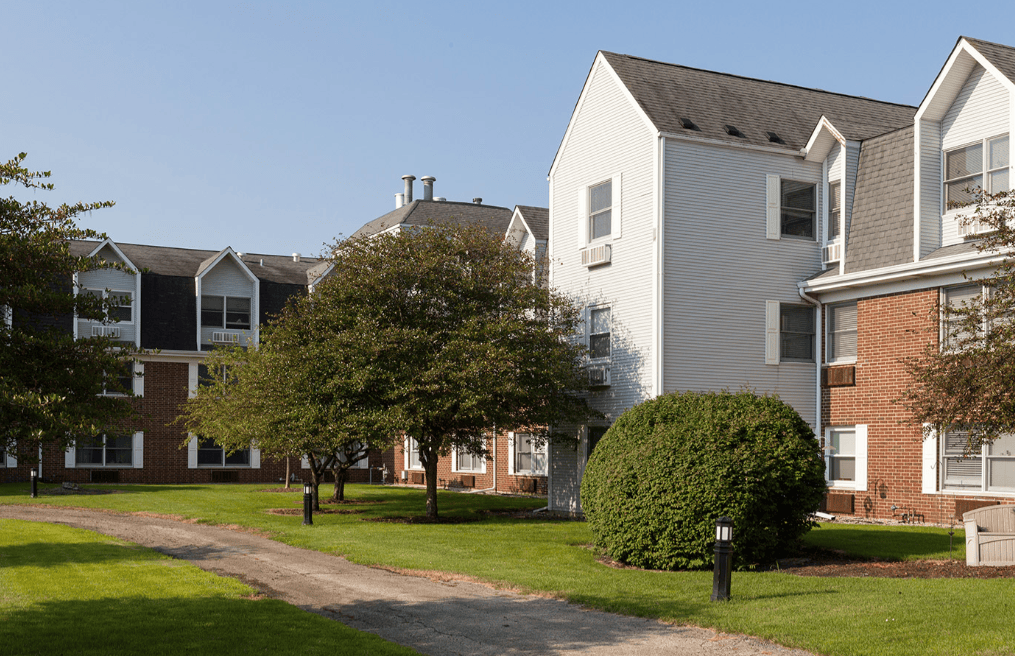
669,467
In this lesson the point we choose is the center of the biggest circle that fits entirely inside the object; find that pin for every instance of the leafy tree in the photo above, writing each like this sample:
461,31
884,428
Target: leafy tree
448,337
968,381
51,383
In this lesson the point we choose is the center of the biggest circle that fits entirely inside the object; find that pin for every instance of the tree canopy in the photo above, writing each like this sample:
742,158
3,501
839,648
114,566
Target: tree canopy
966,381
50,390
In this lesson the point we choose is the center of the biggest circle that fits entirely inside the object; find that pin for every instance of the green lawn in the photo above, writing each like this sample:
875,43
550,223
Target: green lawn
68,591
826,615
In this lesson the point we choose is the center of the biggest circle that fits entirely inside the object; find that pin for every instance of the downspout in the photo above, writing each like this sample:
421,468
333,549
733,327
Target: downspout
819,333
494,488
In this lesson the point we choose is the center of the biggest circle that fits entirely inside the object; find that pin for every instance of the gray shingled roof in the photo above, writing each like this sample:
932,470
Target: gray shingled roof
186,262
538,220
424,212
668,93
964,248
881,226
1003,57
826,273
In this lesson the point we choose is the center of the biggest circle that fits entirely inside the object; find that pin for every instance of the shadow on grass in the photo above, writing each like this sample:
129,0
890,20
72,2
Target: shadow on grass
174,625
886,542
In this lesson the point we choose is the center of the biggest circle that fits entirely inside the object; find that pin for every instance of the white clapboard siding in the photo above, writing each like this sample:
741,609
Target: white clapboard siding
930,186
715,330
609,140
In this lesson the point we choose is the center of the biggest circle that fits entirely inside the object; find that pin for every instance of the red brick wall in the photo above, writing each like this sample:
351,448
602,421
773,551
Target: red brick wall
889,328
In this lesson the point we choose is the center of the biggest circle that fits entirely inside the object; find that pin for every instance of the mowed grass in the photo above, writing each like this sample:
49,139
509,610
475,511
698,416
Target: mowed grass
69,591
826,615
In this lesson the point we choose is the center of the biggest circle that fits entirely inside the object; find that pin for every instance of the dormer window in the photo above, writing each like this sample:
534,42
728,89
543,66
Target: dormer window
121,311
229,312
965,167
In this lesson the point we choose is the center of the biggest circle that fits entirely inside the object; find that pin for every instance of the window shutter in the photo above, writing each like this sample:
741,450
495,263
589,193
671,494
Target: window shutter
139,450
617,211
192,377
539,459
861,457
771,332
511,454
930,462
139,381
583,217
11,460
405,452
774,192
70,457
192,449
255,458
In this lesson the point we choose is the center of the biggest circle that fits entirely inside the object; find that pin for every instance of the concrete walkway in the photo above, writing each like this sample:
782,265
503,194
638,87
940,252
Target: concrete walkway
454,617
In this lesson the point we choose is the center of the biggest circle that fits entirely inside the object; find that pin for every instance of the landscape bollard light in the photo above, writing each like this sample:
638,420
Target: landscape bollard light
35,484
308,504
723,559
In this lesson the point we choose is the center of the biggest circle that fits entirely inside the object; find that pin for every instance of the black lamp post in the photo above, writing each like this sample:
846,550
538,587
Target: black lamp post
35,484
723,559
308,504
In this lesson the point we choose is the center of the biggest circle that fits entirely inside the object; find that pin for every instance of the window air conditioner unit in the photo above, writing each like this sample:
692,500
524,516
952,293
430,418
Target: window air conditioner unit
831,253
972,228
225,338
595,255
599,375
112,332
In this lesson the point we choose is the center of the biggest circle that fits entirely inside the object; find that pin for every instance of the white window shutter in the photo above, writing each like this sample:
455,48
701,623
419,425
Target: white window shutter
11,460
70,457
930,460
511,454
618,207
304,463
539,460
139,450
192,450
773,228
583,217
861,457
139,379
255,458
192,377
772,332
405,452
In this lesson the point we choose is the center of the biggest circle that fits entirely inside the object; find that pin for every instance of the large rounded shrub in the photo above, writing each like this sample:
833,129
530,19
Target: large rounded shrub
669,467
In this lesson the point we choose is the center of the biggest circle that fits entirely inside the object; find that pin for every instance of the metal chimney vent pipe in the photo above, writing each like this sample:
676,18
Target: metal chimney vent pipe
399,200
477,201
296,257
408,187
428,181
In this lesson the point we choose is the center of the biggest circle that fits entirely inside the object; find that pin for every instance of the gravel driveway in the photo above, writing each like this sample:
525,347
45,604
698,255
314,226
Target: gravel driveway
451,617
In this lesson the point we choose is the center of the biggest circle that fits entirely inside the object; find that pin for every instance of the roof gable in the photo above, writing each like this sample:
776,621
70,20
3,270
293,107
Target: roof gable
425,212
226,254
965,56
109,246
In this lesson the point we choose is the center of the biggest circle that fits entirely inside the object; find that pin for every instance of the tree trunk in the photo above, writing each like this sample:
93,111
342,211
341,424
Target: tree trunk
315,479
340,476
430,467
287,475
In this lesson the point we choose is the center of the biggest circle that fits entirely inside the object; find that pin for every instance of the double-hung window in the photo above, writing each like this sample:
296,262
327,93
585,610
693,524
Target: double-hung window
412,454
841,320
122,308
528,456
119,382
599,333
229,312
600,210
210,454
469,462
982,166
105,451
953,328
990,468
798,203
846,456
834,210
796,333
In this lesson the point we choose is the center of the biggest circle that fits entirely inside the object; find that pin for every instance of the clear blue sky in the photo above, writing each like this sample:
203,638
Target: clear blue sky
276,127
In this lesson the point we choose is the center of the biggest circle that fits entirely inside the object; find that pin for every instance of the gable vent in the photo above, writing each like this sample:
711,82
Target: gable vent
774,138
688,124
733,131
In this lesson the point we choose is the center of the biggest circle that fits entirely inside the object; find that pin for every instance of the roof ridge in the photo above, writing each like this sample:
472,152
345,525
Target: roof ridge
991,43
755,79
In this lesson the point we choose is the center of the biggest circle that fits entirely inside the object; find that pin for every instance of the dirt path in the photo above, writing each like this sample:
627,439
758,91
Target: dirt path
454,617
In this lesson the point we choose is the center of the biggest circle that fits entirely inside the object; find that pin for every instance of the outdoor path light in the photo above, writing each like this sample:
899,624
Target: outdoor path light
35,484
723,559
308,504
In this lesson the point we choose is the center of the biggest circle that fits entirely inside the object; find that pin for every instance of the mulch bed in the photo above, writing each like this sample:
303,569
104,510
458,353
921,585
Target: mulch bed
322,511
59,491
420,519
479,516
836,564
